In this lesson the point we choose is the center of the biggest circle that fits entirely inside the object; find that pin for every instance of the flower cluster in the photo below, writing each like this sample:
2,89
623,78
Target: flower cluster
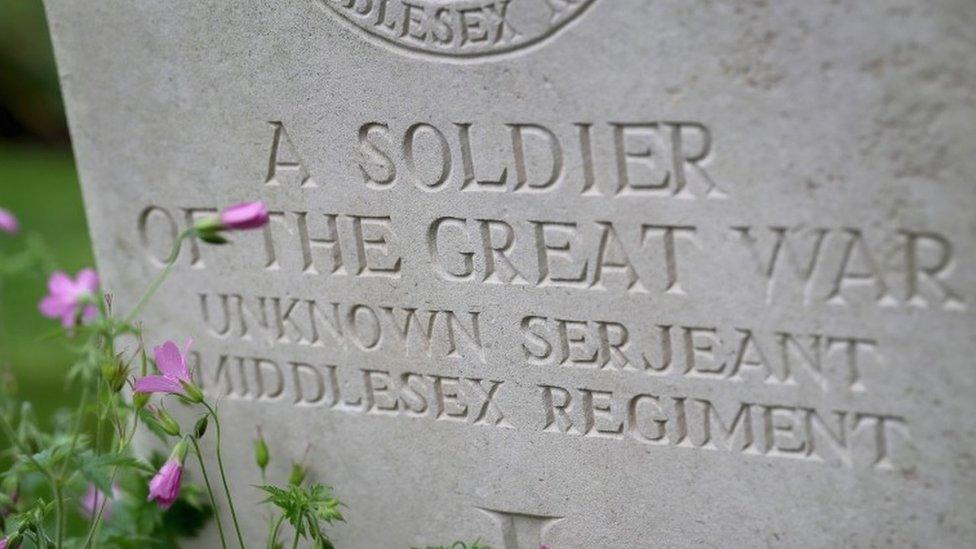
174,375
76,302
124,495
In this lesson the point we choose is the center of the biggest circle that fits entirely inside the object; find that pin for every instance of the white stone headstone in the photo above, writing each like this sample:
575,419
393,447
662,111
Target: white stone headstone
588,273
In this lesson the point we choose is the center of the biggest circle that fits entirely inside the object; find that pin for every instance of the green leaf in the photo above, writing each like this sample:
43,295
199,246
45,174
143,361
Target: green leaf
304,507
213,238
98,469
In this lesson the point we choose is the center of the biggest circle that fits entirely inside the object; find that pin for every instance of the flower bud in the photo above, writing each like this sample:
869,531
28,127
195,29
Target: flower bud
208,230
119,382
298,474
208,224
108,370
164,488
261,454
191,392
244,216
200,428
114,373
167,423
139,400
179,451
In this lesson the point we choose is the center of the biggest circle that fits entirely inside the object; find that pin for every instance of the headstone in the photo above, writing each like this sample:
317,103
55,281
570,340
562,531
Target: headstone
587,273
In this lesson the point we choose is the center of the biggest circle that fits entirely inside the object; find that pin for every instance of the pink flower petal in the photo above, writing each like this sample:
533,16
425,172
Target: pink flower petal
8,222
69,317
51,306
87,281
246,215
61,285
158,384
164,487
170,361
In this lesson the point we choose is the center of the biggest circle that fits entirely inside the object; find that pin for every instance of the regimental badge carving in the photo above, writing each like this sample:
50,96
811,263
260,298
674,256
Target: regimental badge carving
457,28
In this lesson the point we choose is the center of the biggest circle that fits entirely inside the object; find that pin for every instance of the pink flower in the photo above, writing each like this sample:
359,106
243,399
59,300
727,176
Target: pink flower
246,215
93,498
3,543
172,363
8,224
164,488
65,296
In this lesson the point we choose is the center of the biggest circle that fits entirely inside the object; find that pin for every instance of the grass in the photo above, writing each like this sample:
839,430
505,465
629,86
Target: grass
40,186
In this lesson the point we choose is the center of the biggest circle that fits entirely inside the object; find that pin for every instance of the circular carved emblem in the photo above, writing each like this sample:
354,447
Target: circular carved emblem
458,28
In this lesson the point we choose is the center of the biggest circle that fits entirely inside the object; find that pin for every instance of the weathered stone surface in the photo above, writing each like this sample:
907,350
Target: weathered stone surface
606,273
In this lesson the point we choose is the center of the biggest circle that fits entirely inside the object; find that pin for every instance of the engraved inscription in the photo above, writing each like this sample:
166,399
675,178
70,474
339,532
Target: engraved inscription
665,159
355,390
851,438
810,386
285,165
457,28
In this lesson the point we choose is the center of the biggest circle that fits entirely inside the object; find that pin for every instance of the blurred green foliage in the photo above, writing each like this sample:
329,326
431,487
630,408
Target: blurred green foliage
30,100
40,186
38,183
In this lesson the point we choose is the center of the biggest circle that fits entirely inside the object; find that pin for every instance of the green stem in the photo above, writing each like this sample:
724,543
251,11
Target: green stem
264,482
82,404
294,544
108,347
158,281
98,515
223,476
55,480
318,529
273,536
58,515
115,471
213,501
98,416
110,340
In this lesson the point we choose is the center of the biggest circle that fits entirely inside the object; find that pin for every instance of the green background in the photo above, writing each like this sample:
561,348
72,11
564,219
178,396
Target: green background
39,184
